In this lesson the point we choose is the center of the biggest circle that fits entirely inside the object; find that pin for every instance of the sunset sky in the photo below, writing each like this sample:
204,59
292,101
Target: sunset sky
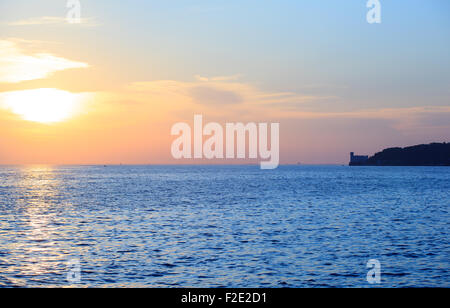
108,90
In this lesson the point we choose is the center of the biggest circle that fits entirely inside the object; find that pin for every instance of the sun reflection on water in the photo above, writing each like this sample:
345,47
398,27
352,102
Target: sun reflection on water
39,191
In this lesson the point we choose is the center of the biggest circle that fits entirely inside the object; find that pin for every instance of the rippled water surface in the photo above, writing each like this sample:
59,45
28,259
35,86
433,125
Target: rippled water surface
224,226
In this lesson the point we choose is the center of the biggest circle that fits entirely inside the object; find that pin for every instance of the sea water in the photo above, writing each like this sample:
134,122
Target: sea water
224,226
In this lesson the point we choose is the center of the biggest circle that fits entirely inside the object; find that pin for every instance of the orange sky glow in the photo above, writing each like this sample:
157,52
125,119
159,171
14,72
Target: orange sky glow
65,101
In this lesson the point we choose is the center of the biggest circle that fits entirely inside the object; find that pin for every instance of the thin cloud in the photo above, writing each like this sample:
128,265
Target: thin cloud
207,95
218,99
218,78
50,20
17,66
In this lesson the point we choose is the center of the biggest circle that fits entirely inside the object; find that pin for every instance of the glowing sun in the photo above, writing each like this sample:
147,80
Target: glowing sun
42,105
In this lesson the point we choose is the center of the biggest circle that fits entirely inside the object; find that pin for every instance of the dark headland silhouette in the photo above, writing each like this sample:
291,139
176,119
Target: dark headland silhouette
433,154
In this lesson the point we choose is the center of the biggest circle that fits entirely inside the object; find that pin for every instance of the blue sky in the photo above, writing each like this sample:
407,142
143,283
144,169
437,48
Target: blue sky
323,49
